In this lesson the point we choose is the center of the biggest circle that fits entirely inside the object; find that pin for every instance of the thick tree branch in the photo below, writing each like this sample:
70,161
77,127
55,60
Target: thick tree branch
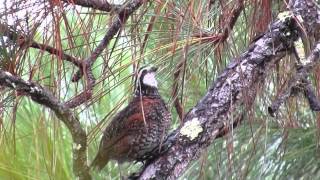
42,96
226,98
102,5
115,27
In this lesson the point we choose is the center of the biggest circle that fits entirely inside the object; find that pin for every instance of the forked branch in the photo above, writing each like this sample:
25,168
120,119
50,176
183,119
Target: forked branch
116,26
42,96
299,83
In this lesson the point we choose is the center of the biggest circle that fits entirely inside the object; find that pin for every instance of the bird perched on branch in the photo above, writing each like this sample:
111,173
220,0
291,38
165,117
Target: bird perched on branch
138,128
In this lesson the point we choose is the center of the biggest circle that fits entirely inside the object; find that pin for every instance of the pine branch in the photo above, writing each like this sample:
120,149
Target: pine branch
44,97
299,83
102,5
23,41
115,27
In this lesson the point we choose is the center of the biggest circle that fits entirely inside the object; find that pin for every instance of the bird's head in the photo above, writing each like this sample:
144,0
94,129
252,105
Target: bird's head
146,83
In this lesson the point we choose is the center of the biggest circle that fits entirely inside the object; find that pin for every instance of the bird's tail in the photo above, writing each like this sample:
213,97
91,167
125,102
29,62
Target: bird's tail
99,162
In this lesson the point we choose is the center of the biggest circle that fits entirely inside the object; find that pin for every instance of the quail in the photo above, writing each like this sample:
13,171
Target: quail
137,129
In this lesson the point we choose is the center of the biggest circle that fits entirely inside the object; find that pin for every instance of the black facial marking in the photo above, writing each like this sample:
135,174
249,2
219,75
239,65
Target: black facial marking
140,87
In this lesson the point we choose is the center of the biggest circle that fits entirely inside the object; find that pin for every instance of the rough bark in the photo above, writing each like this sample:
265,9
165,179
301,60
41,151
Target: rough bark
102,5
42,96
232,92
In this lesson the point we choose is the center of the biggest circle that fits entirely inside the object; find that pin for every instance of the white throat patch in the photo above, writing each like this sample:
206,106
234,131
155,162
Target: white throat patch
150,80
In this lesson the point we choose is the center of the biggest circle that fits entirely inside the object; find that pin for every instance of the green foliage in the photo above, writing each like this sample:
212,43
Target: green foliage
34,144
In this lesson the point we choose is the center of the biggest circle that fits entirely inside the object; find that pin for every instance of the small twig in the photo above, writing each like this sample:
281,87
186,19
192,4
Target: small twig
300,83
44,97
57,52
226,129
23,41
215,38
309,93
233,17
282,97
115,27
102,5
175,88
227,27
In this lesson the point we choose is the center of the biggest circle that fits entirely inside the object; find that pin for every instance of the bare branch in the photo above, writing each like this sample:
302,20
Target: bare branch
227,27
102,5
300,83
115,27
175,88
52,50
42,96
233,17
308,28
23,41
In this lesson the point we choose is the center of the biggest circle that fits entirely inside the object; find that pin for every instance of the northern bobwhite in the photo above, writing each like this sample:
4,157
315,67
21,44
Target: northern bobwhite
138,128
